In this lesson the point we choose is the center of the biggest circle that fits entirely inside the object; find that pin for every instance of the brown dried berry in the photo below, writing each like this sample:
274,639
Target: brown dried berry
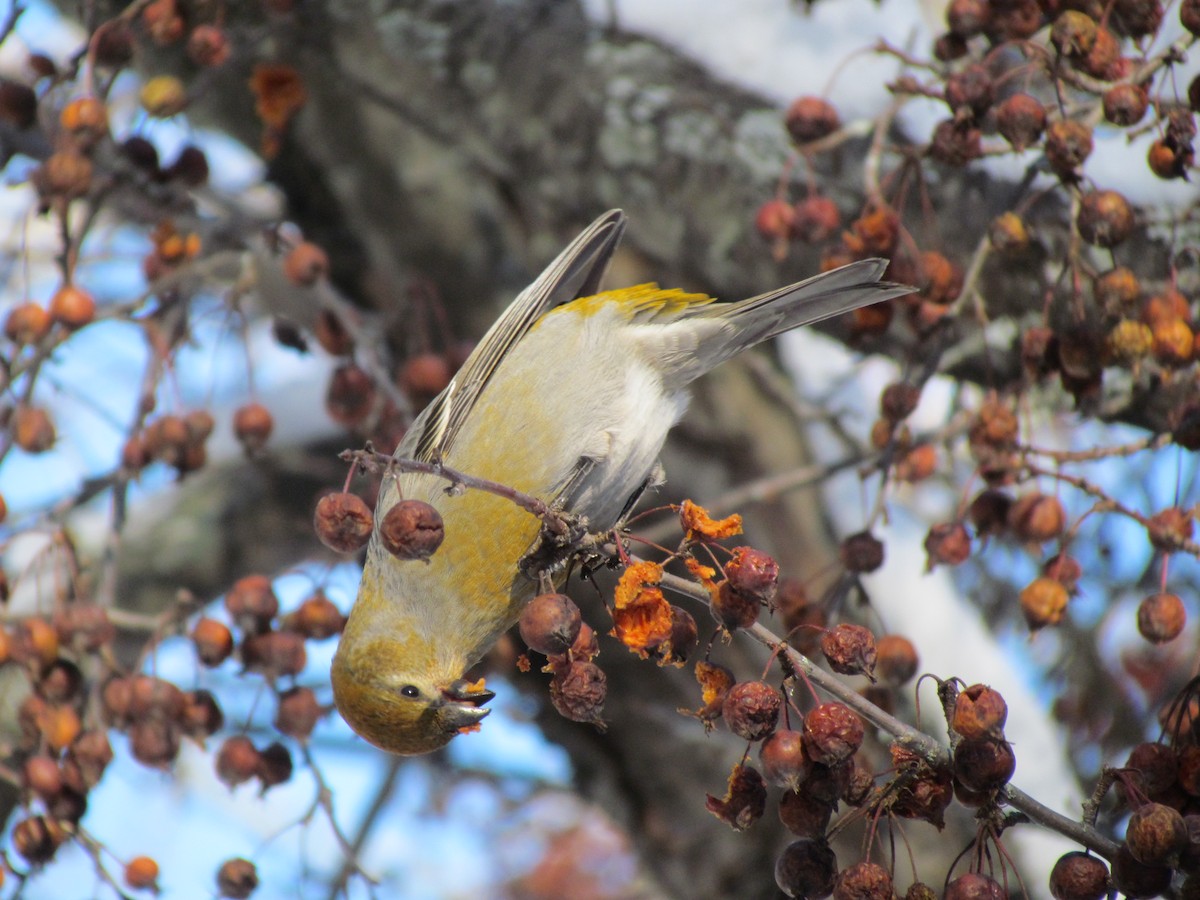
154,742
141,873
832,733
751,709
213,642
1155,834
864,881
974,886
752,574
970,90
984,766
578,691
967,18
423,376
805,815
189,167
237,879
1037,517
411,529
850,650
252,425
350,396
41,775
1170,528
1125,105
1138,881
1068,144
550,623
275,766
251,602
734,610
305,265
1105,218
27,323
947,544
1079,876
1172,342
955,143
317,618
1073,34
275,653
861,552
783,760
298,712
898,400
64,176
237,760
154,697
745,799
979,713
208,46
775,220
1021,119
896,659
810,119
817,219
1044,602
806,868
1161,617
343,522
202,716
1169,159
37,839
72,307
91,753
682,643
60,681
18,104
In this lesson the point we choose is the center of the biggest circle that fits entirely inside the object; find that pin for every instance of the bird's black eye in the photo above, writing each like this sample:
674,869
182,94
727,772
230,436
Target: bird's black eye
411,691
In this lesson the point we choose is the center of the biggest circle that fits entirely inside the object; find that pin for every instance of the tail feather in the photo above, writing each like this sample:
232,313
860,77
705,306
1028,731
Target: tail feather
820,297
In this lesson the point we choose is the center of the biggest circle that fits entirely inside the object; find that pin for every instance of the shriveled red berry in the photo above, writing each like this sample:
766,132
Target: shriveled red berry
984,765
298,712
251,602
752,573
275,653
213,642
1125,105
1105,218
343,522
208,46
684,639
32,429
1073,34
947,544
979,713
1021,119
850,650
970,90
237,879
1068,144
751,709
578,691
1044,602
1155,834
275,765
154,742
317,618
733,609
237,760
745,799
202,716
817,219
775,220
1161,617
967,18
806,868
896,659
974,886
898,400
1136,880
804,814
41,775
810,119
550,623
252,425
1079,876
783,760
863,881
306,264
1037,517
37,839
411,529
423,376
861,552
832,733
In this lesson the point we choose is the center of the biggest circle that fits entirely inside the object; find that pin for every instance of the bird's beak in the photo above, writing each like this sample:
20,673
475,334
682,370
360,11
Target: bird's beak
462,703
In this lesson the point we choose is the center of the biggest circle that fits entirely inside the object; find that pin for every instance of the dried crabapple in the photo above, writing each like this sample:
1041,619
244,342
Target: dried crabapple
745,799
850,650
343,522
1079,876
751,709
550,623
979,713
411,529
1161,617
806,868
832,733
783,760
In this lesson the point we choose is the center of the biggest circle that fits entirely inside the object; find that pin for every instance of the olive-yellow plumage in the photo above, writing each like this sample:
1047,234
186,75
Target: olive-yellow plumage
568,397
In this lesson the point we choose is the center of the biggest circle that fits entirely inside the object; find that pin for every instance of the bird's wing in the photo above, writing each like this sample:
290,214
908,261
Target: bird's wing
576,272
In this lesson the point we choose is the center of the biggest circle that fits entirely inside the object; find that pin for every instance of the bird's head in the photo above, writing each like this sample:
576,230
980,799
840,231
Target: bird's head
403,712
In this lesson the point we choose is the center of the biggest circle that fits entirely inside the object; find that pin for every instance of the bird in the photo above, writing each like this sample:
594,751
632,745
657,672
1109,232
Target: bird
568,397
